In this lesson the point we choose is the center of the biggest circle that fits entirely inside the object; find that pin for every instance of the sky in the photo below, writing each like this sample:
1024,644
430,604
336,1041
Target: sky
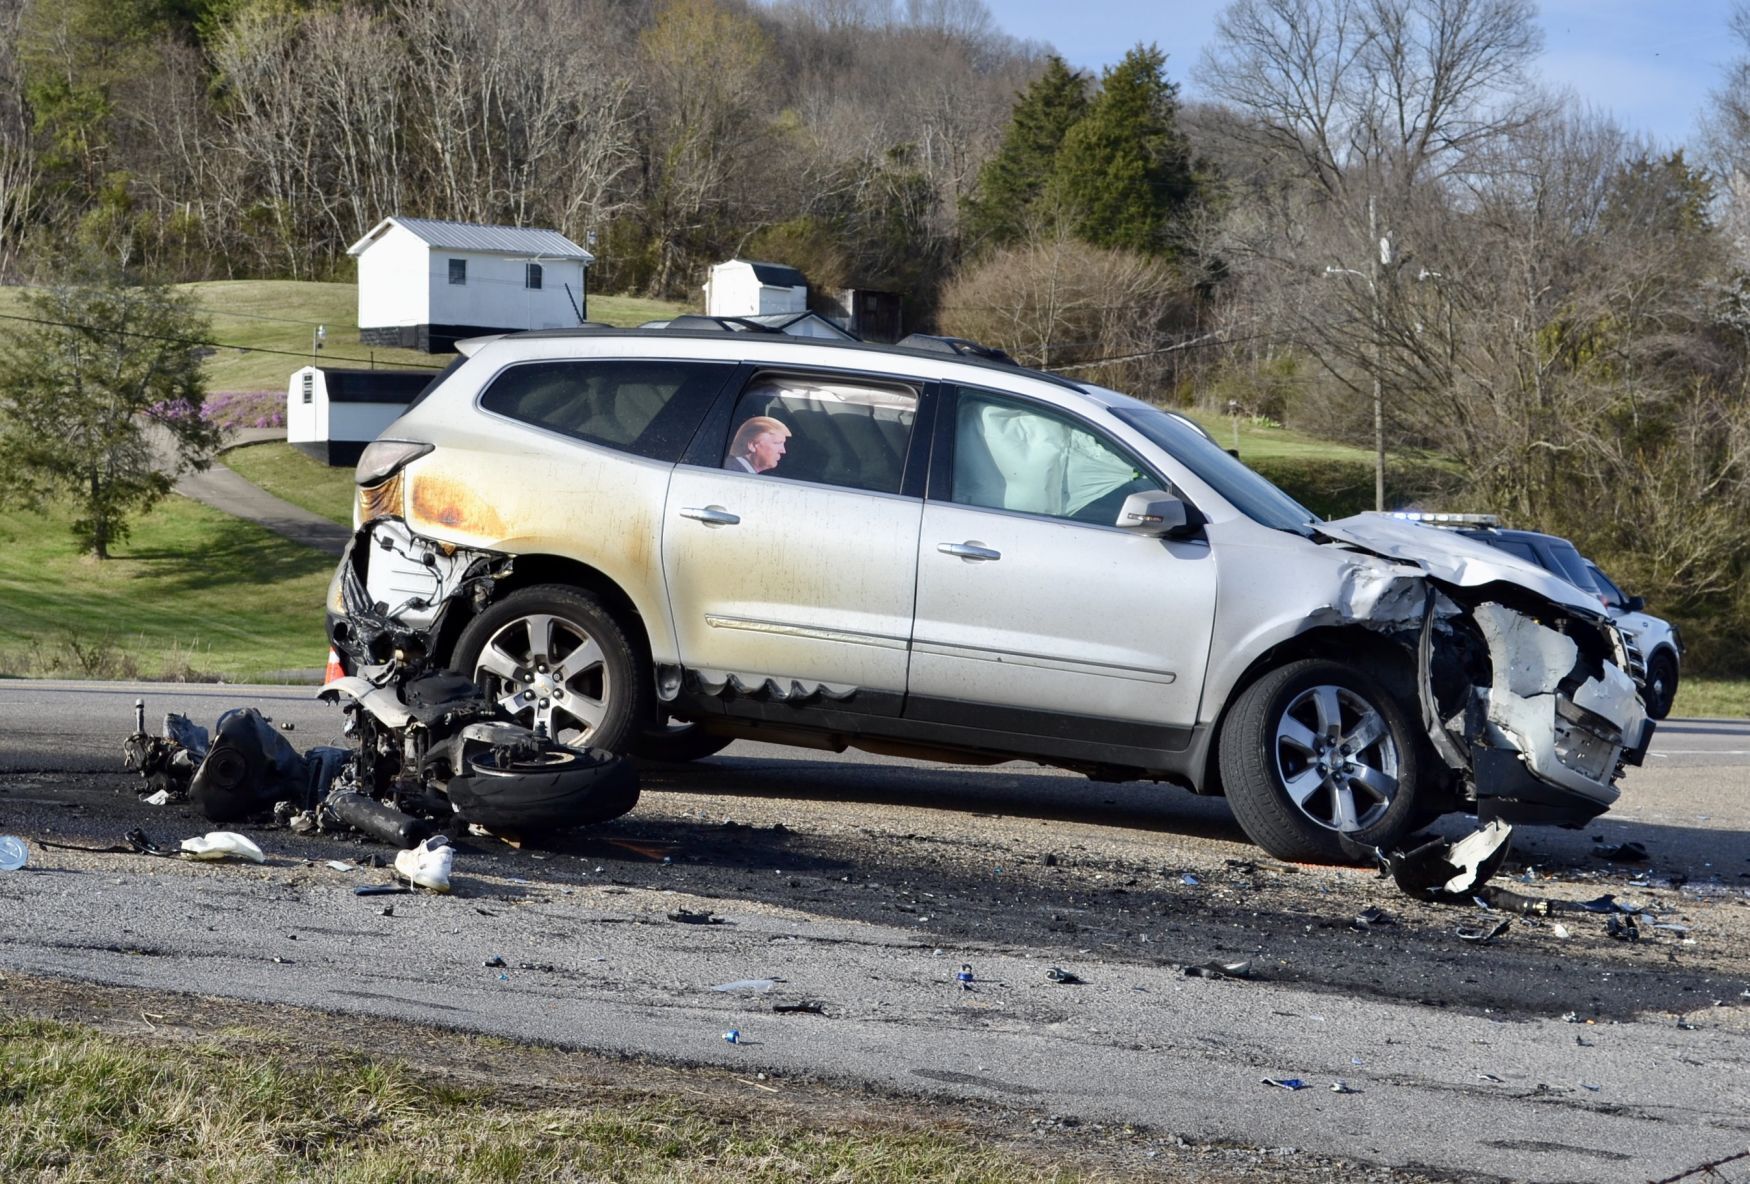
1650,63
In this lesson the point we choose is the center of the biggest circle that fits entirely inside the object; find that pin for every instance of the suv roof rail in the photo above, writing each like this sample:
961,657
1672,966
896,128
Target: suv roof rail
955,345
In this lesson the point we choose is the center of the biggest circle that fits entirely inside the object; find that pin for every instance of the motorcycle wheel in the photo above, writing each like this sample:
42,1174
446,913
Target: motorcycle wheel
554,790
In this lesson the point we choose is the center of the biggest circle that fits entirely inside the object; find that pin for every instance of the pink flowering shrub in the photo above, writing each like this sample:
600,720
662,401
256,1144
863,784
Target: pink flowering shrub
247,409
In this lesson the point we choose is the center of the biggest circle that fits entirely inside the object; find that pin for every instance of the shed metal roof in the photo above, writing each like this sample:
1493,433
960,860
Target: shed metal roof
776,274
468,236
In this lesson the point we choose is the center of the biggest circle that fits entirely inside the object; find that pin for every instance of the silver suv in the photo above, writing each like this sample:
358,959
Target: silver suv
657,541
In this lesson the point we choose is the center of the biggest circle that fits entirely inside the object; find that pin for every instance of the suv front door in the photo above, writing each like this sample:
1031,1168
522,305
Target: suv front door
1035,614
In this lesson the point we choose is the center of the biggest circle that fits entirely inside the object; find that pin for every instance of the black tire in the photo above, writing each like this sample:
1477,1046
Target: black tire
518,650
560,789
1661,690
1278,735
677,741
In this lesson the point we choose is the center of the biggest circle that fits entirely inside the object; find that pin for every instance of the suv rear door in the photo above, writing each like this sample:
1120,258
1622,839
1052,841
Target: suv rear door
805,572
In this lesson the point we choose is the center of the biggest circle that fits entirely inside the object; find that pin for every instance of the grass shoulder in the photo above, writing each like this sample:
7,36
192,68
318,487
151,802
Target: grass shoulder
194,594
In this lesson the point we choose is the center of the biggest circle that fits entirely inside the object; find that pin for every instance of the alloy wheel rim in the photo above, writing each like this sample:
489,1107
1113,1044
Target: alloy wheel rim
548,673
1335,758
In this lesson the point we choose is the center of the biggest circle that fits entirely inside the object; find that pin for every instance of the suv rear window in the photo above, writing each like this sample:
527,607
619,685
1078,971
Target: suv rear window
649,408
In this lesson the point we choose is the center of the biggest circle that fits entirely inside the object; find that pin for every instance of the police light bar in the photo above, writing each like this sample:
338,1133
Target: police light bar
1445,519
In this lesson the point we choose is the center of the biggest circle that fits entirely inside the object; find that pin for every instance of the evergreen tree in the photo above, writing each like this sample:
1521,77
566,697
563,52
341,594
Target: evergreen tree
1013,182
1123,174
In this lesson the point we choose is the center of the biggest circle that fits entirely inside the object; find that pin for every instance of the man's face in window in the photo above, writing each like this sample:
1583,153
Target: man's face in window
765,451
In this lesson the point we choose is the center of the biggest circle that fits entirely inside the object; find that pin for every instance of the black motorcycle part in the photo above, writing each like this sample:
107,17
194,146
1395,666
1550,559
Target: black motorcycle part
379,821
249,767
431,696
564,787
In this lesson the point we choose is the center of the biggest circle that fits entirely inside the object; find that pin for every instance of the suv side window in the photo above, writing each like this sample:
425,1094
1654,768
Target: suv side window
649,408
828,430
1012,455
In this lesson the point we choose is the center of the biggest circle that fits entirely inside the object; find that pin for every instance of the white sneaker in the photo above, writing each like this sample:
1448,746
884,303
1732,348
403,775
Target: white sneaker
427,865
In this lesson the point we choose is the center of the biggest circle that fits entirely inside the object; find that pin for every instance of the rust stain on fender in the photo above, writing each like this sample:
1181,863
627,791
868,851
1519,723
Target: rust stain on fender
442,501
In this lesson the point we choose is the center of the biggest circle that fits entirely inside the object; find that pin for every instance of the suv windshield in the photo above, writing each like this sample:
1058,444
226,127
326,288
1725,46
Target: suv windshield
1250,494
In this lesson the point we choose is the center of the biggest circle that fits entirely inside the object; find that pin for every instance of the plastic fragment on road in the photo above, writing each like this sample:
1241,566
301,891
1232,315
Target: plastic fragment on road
427,865
806,1007
381,890
963,976
161,798
733,1036
1450,872
1491,1079
13,853
340,865
1058,974
1190,880
1625,853
1343,1087
1288,1083
748,984
222,844
1373,917
1561,930
1622,928
693,917
1242,969
1483,937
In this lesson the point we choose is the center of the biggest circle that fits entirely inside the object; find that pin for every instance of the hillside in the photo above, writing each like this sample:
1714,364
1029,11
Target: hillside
264,329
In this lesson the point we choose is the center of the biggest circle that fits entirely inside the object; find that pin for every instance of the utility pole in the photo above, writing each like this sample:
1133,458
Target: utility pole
1376,260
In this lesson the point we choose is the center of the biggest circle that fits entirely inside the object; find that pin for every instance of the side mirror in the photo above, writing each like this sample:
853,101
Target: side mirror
1153,512
1636,604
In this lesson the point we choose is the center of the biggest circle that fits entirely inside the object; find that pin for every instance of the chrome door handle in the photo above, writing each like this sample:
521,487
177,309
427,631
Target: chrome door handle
711,515
971,552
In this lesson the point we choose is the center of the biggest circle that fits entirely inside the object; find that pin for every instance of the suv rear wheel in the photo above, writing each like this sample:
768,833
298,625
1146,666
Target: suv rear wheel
555,656
1661,689
1319,758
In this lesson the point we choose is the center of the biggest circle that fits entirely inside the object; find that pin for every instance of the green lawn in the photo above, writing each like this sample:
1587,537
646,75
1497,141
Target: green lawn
264,329
288,474
194,594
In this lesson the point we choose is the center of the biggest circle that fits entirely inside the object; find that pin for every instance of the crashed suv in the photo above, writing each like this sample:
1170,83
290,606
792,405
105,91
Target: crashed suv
657,541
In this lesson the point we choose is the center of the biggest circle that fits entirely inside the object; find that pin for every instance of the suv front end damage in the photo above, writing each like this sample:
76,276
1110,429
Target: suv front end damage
1521,680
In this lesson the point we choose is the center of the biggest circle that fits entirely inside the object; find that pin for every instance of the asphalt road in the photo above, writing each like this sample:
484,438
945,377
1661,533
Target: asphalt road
863,883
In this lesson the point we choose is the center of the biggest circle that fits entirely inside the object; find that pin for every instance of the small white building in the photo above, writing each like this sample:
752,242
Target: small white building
744,288
332,414
424,284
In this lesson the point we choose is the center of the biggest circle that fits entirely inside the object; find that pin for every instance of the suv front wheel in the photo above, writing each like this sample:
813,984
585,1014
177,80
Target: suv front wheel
1319,758
556,659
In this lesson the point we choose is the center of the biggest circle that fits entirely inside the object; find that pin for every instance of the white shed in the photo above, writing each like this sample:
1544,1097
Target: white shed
423,284
744,288
332,414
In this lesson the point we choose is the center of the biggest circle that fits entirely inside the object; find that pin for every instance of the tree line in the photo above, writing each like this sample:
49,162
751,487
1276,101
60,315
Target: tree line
1374,224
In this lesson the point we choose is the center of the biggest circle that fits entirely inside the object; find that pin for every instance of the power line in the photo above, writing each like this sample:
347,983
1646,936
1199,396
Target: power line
200,343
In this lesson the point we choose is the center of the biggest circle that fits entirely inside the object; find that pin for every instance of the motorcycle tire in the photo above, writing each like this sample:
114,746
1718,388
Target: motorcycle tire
560,789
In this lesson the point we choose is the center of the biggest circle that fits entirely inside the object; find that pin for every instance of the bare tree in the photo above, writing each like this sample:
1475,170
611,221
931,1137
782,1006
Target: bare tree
18,164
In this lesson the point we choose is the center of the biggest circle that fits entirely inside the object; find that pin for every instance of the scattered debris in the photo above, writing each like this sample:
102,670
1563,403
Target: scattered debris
1058,974
1190,880
340,865
222,844
1288,1083
964,976
733,1036
381,890
748,984
1241,969
1622,928
1491,1079
1343,1087
1560,930
428,865
692,917
1450,872
496,962
1506,899
1374,917
13,853
807,1007
1483,937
